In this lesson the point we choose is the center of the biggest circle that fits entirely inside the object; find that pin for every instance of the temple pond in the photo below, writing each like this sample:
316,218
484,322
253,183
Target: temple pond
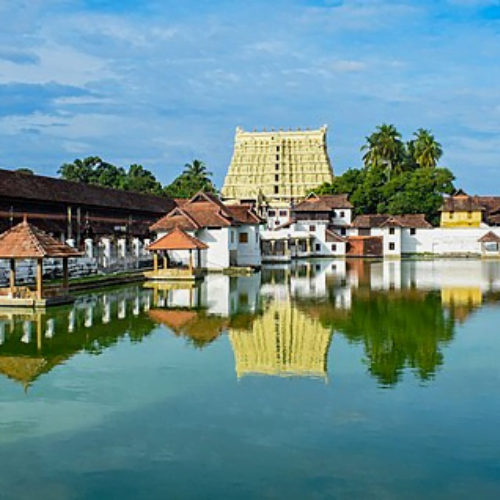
323,380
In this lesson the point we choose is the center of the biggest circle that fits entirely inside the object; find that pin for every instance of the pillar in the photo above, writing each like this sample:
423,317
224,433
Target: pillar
89,248
12,276
286,249
106,251
308,243
69,234
65,275
39,279
155,262
165,260
39,332
190,261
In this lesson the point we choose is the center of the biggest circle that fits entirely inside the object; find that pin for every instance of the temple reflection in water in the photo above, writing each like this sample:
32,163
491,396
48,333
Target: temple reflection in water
280,322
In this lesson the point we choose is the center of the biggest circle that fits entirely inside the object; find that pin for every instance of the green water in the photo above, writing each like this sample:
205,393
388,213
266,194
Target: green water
324,380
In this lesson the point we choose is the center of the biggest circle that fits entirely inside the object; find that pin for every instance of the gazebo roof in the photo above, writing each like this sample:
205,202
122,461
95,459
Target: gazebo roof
26,241
177,239
489,237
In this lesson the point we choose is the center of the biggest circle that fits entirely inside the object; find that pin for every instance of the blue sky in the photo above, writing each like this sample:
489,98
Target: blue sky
161,82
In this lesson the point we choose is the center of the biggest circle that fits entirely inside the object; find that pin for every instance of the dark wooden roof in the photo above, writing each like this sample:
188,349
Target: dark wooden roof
323,203
26,241
384,220
462,203
38,188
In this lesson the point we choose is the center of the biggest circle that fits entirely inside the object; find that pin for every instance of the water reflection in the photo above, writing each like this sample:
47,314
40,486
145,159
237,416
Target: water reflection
32,343
280,322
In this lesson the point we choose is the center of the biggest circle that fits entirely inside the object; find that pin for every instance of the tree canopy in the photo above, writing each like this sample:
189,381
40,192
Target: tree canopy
194,178
396,177
93,170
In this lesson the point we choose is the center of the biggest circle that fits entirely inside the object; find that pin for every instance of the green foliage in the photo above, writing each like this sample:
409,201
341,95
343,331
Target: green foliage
24,170
396,178
398,330
93,170
141,180
194,178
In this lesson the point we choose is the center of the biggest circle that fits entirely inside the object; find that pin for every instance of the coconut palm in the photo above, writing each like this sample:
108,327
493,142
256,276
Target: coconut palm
384,147
425,149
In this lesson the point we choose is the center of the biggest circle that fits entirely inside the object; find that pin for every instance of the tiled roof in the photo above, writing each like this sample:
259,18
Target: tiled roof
407,220
176,218
332,237
369,220
462,203
177,239
27,241
198,327
205,210
323,203
384,220
50,190
244,214
489,237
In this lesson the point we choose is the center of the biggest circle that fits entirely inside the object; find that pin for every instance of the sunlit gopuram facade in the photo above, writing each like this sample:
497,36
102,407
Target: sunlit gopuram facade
284,341
277,168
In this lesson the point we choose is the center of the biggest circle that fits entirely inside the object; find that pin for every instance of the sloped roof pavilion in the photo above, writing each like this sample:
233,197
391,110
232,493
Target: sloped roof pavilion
26,241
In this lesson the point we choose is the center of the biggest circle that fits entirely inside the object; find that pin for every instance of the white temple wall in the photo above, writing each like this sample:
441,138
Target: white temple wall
249,252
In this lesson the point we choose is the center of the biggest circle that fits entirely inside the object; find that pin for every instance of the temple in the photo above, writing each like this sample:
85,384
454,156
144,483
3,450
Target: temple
277,168
284,341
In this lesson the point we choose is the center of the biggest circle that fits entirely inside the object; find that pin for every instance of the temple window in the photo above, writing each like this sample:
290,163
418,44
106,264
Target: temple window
243,237
392,246
413,231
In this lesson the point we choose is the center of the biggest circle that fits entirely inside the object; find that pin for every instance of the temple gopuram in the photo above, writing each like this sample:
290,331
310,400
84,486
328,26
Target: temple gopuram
277,168
283,342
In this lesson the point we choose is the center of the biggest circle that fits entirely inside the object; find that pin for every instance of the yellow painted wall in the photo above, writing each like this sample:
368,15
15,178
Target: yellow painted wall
461,219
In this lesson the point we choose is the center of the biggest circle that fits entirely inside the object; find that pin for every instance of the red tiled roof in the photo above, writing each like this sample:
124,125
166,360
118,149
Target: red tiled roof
50,190
177,239
205,210
323,203
489,237
26,241
244,213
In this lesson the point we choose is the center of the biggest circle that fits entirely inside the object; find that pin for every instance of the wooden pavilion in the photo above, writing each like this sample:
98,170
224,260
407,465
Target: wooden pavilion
179,242
26,241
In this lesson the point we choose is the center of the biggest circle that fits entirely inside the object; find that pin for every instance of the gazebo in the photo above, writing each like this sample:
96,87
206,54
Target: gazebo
27,242
490,244
179,242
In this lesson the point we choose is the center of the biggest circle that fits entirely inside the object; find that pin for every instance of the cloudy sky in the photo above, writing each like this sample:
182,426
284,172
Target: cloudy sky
161,82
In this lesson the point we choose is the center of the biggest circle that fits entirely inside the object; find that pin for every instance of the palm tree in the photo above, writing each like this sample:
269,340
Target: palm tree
197,169
426,150
384,147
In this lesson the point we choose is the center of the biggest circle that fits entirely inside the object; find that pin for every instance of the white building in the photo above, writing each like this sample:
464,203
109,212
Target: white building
230,231
317,228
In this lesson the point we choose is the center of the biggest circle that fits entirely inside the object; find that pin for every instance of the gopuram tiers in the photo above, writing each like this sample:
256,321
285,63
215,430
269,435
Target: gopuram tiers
277,167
